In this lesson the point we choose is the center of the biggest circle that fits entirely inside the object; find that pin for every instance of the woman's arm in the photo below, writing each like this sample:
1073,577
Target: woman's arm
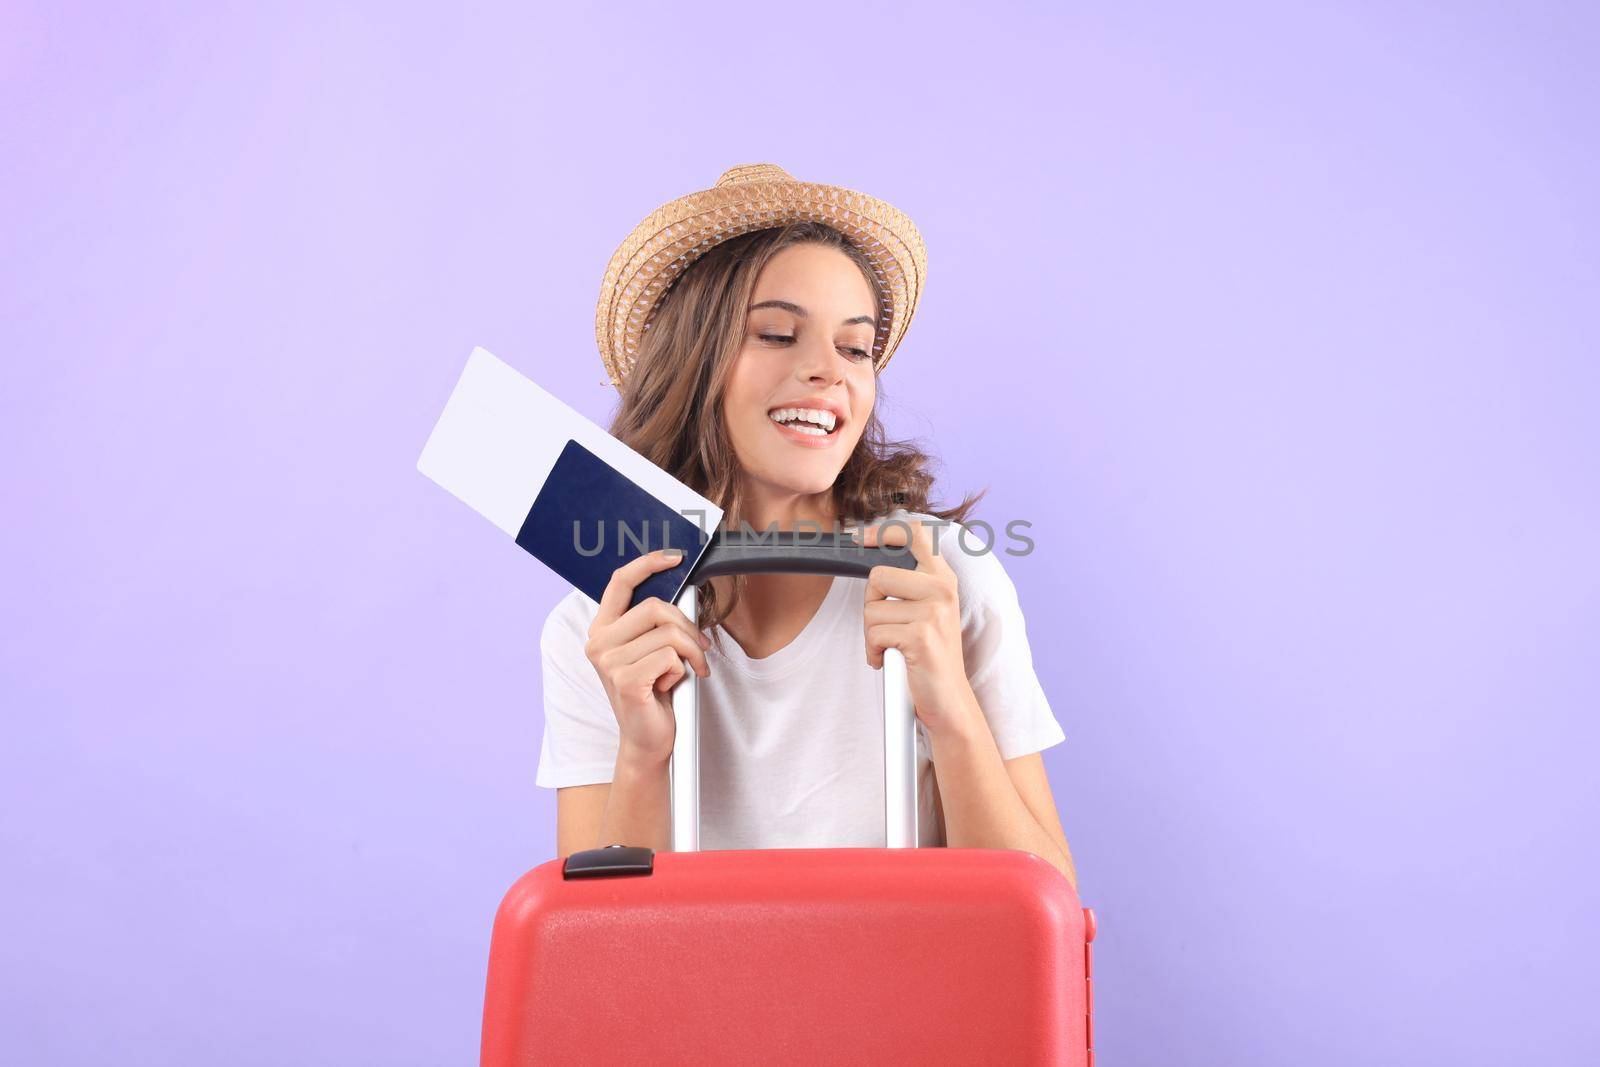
994,803
988,802
639,804
637,653
634,808
579,811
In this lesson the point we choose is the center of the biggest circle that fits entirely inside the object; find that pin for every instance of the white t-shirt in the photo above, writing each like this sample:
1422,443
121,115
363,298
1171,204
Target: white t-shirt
791,745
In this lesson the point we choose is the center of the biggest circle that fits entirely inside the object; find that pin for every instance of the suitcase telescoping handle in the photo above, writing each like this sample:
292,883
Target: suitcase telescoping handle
796,553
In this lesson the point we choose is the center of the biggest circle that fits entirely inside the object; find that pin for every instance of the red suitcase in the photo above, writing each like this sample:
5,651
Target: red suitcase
791,956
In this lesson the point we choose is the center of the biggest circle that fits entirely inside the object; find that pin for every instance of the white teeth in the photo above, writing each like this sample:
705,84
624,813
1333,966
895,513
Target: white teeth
800,416
810,431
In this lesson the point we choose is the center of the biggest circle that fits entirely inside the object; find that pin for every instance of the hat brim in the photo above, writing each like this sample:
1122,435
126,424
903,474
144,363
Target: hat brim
676,234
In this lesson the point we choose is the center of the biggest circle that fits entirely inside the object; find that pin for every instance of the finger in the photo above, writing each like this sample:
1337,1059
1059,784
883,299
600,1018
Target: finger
892,611
649,671
619,590
884,636
648,614
886,613
647,644
671,637
893,532
669,675
918,533
884,580
922,549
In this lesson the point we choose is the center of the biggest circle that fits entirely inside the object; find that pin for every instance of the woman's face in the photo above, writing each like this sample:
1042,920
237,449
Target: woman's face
806,360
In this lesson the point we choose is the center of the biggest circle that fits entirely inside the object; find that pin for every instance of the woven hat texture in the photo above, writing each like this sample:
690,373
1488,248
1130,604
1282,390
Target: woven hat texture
753,196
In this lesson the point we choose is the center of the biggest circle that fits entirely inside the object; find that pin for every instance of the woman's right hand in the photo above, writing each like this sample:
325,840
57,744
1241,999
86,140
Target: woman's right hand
639,652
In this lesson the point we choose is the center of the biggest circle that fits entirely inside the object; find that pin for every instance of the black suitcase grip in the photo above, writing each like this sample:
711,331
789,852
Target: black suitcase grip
795,552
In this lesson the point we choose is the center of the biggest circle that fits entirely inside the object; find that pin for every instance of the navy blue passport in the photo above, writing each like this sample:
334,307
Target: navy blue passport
589,519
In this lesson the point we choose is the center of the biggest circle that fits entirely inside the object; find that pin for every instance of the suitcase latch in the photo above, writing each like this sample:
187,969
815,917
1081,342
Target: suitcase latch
609,862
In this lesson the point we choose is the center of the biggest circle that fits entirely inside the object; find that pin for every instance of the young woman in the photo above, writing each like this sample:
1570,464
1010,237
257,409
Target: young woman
746,326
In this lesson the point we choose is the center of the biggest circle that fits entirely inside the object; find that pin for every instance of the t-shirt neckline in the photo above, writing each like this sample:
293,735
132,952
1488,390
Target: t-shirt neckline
798,651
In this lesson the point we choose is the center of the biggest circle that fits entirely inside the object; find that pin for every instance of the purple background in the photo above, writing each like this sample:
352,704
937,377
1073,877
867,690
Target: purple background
1279,325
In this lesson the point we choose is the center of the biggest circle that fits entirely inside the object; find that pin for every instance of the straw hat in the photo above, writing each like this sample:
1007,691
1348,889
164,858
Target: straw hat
753,196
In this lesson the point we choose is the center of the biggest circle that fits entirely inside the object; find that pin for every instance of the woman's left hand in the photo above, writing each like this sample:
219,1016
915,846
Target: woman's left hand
924,624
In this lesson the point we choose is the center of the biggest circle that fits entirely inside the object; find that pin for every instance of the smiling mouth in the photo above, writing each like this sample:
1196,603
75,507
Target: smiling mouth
813,422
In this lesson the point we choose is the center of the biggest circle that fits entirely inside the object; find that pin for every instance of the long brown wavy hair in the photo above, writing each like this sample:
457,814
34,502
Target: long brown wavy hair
671,408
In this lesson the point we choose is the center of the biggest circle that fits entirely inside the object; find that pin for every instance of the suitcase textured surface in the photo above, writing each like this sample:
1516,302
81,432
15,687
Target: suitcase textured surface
793,956
623,955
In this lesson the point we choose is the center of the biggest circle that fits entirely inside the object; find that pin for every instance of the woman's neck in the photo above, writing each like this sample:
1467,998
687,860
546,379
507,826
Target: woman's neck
776,607
764,509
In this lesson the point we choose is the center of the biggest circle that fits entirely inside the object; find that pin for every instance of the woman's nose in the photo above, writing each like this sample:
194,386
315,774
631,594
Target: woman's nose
819,363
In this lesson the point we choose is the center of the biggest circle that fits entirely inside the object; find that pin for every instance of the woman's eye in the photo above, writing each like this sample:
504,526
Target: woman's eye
857,354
